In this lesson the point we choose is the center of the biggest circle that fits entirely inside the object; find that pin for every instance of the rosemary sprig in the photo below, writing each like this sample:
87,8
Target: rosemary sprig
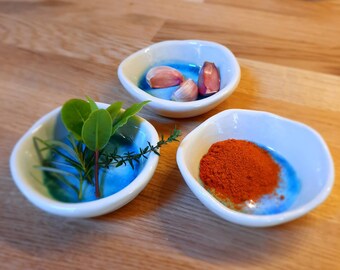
116,160
74,155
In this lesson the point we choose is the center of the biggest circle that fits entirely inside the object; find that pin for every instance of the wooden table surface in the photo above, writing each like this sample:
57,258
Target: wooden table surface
50,51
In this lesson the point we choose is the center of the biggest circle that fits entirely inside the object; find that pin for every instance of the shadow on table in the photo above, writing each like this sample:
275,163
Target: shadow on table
195,231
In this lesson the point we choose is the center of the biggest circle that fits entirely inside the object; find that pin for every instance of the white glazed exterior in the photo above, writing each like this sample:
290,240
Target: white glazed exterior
23,157
300,145
192,51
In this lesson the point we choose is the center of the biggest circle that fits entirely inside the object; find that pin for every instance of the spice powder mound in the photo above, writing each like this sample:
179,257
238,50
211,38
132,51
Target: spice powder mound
239,170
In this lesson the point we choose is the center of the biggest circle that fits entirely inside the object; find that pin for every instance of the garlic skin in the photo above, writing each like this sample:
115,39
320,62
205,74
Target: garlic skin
188,91
209,79
163,76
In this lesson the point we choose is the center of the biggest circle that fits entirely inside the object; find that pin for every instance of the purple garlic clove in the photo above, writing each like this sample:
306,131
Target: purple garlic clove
188,91
163,76
209,79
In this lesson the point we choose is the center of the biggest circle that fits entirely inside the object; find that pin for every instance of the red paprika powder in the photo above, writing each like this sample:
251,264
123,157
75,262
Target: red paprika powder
239,170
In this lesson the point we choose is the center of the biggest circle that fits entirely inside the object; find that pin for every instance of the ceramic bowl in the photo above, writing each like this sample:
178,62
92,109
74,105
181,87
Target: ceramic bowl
195,52
301,146
30,180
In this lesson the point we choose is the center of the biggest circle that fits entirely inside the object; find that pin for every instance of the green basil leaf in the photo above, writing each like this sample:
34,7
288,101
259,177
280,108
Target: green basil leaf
93,104
73,114
127,114
97,128
114,109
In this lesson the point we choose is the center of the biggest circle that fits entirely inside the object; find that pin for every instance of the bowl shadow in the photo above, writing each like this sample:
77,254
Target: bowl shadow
198,233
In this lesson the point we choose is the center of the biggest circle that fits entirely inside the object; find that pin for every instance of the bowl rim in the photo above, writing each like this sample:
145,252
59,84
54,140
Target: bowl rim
224,92
248,219
80,209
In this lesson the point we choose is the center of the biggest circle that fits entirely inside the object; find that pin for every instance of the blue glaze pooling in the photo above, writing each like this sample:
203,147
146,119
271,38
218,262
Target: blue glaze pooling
189,71
112,180
289,188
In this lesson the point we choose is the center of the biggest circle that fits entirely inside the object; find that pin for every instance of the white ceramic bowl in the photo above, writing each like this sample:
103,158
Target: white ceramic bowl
196,52
29,180
300,145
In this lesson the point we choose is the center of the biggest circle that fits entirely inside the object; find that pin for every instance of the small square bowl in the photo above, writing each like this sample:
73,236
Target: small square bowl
301,146
30,180
195,52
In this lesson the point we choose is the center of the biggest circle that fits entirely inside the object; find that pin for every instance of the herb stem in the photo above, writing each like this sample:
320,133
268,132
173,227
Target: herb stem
80,193
96,173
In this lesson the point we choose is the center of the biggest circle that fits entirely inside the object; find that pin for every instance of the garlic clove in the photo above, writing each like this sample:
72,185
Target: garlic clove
163,76
209,79
188,91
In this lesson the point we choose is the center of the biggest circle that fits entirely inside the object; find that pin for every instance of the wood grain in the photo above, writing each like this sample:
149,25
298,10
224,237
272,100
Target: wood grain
51,51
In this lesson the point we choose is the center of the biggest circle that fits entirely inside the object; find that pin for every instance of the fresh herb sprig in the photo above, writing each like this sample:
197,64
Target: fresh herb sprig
114,159
94,127
90,130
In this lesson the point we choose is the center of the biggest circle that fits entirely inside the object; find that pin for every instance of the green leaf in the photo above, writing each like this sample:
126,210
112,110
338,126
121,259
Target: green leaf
74,113
56,149
156,152
96,131
114,109
127,114
58,174
131,164
55,170
93,104
64,146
